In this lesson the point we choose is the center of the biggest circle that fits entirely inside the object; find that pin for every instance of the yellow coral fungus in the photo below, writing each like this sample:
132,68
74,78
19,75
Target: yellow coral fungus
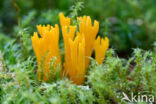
74,65
101,46
87,29
78,47
66,36
76,70
45,48
90,33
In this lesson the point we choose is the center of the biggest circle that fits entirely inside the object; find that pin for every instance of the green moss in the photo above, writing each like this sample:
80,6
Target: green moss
104,83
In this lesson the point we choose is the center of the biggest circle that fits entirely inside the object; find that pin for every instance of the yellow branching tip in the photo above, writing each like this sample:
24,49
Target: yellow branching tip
64,21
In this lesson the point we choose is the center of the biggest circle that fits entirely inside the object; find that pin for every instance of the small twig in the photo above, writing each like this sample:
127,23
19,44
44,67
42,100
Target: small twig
74,11
18,11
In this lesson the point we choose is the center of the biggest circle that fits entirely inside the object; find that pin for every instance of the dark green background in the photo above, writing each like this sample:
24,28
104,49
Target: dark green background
127,23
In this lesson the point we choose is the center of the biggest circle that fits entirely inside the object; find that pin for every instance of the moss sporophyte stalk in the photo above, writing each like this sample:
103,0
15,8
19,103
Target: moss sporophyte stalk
78,46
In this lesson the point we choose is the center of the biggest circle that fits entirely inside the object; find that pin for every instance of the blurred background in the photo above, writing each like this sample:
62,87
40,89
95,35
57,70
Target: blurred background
128,23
